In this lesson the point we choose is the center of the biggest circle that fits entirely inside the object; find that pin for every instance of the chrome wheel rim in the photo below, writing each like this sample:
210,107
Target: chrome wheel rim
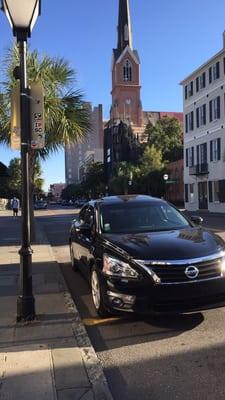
95,289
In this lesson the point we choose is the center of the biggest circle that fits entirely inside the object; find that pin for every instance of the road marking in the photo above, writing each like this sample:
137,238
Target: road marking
99,321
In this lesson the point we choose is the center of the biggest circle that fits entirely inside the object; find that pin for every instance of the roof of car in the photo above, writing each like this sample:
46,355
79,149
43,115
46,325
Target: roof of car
125,199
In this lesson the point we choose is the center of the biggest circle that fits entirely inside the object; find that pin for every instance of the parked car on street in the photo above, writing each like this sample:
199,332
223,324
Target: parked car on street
40,205
140,254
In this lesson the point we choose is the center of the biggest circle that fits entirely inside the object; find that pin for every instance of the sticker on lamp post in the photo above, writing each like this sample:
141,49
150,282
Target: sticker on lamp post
15,123
37,116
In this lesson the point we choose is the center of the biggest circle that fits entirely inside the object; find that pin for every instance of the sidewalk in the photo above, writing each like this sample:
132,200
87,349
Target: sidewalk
52,357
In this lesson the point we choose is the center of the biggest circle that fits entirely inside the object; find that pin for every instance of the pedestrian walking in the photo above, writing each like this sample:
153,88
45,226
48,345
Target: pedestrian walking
15,205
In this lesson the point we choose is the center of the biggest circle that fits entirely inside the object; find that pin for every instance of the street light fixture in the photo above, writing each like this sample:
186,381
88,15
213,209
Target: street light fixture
22,15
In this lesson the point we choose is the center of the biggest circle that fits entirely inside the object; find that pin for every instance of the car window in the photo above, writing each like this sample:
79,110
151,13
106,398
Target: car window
82,215
140,218
87,215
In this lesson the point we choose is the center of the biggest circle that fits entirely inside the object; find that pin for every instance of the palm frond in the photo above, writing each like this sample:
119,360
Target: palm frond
67,118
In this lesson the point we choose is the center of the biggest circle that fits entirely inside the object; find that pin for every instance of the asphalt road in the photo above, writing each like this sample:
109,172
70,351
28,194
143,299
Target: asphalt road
160,358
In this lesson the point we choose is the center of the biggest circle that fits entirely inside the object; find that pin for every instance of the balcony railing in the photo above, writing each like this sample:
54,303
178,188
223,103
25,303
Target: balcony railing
199,169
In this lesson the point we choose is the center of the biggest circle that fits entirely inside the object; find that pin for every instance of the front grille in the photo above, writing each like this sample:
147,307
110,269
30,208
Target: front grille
176,273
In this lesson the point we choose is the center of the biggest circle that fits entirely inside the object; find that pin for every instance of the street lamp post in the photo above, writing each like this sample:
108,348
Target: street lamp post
22,15
165,178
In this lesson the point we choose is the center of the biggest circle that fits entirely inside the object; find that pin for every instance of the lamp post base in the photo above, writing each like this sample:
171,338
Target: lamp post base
25,308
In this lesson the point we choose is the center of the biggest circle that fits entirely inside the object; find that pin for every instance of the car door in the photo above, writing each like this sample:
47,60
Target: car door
84,238
76,235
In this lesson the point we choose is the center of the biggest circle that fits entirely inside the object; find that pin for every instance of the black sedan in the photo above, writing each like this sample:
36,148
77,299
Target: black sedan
140,254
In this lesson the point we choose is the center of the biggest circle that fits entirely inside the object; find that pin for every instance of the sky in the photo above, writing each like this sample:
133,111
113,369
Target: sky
172,37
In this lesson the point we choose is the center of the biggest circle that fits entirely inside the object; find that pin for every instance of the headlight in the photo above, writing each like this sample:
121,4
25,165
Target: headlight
114,267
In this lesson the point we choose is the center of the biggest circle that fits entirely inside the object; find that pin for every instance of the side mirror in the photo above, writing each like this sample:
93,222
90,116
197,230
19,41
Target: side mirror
84,229
197,220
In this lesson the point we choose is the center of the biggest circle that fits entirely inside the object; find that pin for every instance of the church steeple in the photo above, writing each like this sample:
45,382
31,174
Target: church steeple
126,102
124,26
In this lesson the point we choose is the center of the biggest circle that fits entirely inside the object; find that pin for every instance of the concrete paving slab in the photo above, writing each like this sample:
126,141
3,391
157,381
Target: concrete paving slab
71,394
38,332
69,369
52,303
27,372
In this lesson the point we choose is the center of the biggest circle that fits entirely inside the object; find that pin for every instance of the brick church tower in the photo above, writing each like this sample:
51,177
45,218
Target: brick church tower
126,103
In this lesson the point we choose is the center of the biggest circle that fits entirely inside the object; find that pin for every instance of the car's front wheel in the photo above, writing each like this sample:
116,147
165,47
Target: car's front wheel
97,294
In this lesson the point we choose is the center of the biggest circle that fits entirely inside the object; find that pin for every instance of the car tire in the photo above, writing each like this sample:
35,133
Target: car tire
73,262
96,293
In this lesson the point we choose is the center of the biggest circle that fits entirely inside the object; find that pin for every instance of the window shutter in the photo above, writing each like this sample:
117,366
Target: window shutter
218,107
218,149
204,114
192,120
185,89
204,152
198,154
210,111
210,74
191,88
203,79
222,191
186,157
186,192
211,150
197,117
218,70
186,123
210,192
197,84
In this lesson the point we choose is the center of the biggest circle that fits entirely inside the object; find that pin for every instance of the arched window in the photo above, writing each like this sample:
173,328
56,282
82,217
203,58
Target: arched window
127,71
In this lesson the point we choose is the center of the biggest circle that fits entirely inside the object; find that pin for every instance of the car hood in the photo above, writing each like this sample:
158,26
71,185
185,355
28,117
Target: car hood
166,245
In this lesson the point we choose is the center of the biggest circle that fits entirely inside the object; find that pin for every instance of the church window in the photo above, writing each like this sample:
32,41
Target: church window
127,71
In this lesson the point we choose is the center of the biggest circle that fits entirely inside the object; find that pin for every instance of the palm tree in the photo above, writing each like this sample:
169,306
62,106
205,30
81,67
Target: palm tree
66,116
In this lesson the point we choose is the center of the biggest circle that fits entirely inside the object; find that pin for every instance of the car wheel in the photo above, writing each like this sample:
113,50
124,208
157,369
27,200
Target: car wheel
97,294
73,262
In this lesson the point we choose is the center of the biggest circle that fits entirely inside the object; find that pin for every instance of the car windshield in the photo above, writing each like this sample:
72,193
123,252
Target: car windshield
142,217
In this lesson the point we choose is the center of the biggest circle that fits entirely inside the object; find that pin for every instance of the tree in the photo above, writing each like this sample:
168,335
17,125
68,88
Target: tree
166,135
126,175
73,191
15,176
66,116
94,180
151,169
14,181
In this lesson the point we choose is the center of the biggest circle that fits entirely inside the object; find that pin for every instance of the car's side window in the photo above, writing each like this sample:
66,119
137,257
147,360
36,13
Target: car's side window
90,220
87,216
82,215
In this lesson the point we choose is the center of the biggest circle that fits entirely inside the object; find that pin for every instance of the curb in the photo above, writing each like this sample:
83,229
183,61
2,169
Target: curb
92,364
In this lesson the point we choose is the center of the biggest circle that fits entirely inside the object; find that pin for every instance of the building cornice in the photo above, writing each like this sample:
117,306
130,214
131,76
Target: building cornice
203,66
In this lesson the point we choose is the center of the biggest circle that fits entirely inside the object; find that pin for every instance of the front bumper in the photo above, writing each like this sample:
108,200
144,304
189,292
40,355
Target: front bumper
181,297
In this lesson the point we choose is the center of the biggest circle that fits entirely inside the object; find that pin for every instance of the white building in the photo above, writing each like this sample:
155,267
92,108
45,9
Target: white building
204,135
75,154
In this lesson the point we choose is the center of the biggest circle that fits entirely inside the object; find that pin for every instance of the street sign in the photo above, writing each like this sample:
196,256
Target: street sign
171,181
165,177
37,116
15,124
